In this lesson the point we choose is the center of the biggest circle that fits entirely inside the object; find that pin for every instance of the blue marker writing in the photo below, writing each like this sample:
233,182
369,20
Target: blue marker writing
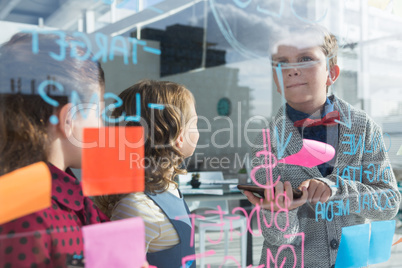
76,102
101,41
137,117
152,50
35,40
103,49
63,45
242,4
118,103
135,42
156,106
281,143
123,48
270,13
85,44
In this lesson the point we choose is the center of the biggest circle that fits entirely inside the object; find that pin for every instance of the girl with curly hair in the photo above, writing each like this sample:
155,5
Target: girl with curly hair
171,135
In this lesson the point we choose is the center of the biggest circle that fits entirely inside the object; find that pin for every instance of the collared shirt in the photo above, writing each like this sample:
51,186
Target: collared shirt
316,237
47,238
327,134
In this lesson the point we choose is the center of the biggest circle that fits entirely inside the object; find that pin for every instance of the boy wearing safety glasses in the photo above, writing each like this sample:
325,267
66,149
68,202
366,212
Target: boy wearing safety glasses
355,187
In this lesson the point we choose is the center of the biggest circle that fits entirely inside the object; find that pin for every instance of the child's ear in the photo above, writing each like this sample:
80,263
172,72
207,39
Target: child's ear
180,140
333,74
65,125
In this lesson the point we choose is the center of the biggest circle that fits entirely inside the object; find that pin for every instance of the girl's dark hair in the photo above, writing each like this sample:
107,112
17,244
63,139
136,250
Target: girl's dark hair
162,128
24,115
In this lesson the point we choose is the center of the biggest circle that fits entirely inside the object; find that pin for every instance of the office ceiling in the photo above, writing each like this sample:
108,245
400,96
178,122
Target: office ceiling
118,18
61,14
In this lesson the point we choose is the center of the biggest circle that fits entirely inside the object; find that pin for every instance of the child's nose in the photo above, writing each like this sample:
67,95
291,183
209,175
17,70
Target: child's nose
294,72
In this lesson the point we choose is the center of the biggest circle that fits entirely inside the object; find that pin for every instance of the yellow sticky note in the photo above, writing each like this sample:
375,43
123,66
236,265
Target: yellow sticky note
25,191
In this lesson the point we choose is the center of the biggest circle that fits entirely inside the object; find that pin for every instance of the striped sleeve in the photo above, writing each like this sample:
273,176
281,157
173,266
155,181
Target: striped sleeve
159,232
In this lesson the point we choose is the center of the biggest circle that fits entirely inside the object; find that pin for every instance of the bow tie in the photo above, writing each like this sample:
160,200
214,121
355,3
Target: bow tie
328,120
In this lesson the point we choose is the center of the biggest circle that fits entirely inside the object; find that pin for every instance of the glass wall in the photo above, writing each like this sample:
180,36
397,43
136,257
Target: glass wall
220,50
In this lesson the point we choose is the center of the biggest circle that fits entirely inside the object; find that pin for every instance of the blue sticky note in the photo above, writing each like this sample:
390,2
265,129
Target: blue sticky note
382,234
354,246
188,264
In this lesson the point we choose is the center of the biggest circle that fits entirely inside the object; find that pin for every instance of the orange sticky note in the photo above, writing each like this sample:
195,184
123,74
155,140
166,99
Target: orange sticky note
397,242
25,191
112,160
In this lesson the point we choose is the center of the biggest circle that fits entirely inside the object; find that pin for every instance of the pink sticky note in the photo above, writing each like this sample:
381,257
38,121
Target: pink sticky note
313,153
115,244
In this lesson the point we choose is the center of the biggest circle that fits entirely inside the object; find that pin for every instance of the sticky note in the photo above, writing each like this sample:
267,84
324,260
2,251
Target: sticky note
354,246
115,244
397,242
113,160
361,245
25,191
382,234
313,153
